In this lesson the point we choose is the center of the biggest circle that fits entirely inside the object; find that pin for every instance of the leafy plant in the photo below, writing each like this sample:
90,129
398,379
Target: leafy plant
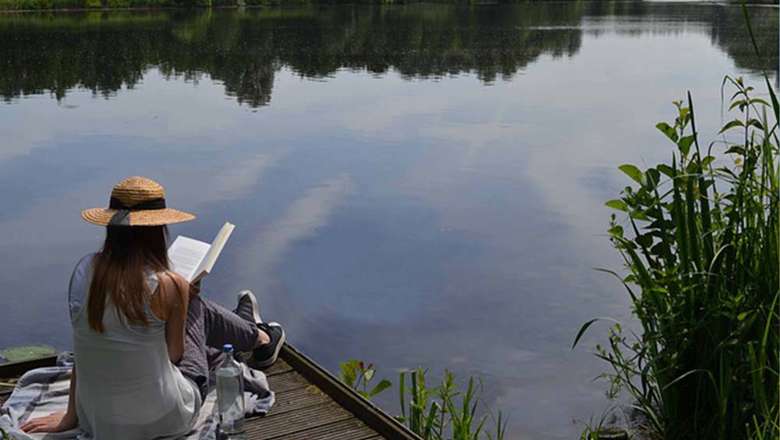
704,251
602,433
500,427
436,413
358,375
463,419
603,428
17,354
701,248
424,416
444,412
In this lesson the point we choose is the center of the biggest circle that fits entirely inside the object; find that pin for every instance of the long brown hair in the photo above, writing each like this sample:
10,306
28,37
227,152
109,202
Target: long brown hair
118,272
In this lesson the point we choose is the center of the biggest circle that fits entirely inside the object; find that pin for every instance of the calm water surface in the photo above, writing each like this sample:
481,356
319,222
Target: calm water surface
411,185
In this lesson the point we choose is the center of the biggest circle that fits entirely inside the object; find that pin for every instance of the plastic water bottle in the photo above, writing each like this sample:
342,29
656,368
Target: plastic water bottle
230,394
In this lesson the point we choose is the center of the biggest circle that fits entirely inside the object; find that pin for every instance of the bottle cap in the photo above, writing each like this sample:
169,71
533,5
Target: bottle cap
227,348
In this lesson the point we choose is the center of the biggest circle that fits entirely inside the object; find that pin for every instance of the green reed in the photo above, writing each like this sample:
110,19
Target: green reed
446,411
700,241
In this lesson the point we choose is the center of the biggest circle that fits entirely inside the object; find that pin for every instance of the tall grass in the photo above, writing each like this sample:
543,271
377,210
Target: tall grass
700,241
446,411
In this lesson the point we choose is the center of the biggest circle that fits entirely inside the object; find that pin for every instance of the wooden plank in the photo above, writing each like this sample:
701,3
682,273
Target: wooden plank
289,423
288,381
349,429
297,399
311,404
345,396
279,367
16,369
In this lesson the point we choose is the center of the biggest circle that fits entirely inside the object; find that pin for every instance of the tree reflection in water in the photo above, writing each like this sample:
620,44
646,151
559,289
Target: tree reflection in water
244,48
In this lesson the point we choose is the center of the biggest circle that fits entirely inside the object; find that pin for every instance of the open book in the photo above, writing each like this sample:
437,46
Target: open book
194,259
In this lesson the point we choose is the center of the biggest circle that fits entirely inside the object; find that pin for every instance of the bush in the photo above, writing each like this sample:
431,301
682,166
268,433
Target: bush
702,248
10,5
118,3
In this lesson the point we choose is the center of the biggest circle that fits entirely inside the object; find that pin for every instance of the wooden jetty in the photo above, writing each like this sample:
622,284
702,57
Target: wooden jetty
311,404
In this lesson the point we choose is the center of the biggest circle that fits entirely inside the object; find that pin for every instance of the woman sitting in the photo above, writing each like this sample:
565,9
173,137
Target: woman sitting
144,340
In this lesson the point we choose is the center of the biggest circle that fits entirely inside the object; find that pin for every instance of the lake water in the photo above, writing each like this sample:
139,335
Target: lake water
412,185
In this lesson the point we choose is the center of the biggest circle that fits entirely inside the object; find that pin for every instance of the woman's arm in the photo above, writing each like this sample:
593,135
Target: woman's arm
59,421
70,414
174,298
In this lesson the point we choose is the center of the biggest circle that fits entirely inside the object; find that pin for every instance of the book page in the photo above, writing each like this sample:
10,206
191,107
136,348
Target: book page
186,255
207,264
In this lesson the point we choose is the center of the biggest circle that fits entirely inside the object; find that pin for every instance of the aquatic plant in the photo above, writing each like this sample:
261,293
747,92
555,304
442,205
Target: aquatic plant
18,354
605,427
700,242
436,413
446,411
358,375
703,257
604,433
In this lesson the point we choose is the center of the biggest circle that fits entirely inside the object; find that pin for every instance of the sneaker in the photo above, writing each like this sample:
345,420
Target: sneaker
265,355
247,307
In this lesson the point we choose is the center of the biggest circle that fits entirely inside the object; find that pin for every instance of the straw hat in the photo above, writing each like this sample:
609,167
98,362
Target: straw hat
136,201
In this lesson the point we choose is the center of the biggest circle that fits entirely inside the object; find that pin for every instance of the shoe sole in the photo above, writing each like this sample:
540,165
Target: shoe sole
270,361
255,306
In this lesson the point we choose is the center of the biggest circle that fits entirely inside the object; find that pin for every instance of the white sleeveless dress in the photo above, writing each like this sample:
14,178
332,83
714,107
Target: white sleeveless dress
126,386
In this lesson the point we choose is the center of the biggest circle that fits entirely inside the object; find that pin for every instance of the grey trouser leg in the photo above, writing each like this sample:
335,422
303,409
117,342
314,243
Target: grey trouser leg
209,326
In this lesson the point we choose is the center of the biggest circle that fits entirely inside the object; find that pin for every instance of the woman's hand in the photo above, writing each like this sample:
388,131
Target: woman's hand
54,422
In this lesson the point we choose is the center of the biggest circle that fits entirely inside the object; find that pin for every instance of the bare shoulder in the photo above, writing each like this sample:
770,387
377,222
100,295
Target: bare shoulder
173,289
173,278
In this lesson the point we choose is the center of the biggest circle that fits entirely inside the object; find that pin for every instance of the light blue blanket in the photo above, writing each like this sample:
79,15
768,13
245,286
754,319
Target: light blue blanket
43,391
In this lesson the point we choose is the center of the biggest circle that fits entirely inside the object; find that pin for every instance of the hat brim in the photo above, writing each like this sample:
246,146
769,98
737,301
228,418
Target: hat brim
147,217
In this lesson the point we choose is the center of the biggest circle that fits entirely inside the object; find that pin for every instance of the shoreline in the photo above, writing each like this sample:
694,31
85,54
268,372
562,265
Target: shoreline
7,7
